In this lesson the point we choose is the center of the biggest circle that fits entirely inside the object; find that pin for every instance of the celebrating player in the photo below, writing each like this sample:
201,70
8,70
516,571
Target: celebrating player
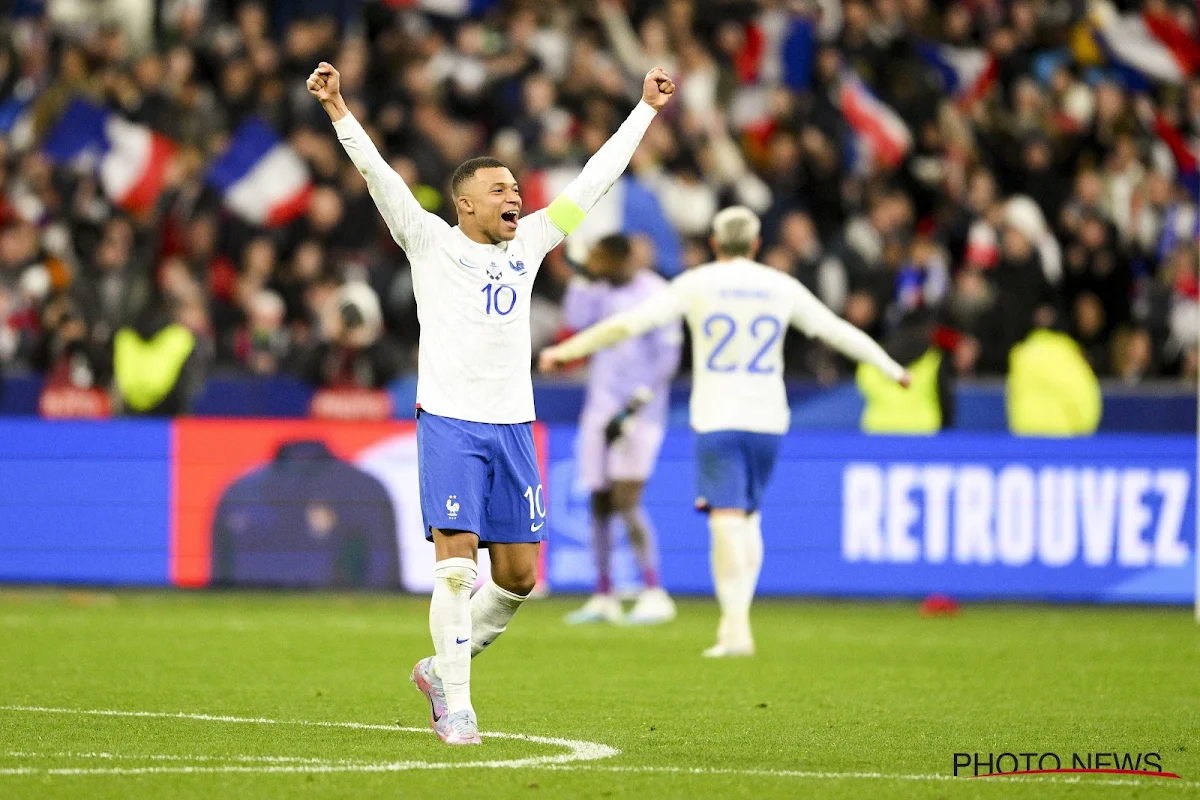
622,426
738,311
479,478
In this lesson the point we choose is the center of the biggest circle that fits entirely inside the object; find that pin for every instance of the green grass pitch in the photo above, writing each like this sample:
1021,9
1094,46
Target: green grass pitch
844,699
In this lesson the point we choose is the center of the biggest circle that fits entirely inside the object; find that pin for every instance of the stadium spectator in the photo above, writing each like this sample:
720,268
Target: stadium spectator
351,351
158,359
1031,131
1051,389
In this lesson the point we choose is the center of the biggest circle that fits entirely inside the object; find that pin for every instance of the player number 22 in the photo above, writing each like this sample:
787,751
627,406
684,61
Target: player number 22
764,331
500,298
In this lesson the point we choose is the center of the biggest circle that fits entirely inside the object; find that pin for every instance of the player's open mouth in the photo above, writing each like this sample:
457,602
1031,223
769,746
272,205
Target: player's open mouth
510,217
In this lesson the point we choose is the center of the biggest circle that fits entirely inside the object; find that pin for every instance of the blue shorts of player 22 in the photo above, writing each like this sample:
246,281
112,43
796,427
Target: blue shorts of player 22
1102,519
480,477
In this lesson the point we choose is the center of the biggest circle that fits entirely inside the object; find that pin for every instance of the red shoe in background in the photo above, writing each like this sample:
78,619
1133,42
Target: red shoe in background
939,605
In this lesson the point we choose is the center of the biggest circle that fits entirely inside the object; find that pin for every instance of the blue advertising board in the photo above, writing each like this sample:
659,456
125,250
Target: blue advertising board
1103,519
84,502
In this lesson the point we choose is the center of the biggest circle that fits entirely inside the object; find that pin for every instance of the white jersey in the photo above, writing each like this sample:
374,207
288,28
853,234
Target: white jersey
473,299
738,312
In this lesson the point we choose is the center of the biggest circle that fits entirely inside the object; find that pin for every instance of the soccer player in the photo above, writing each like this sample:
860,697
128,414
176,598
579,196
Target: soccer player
479,480
622,426
738,311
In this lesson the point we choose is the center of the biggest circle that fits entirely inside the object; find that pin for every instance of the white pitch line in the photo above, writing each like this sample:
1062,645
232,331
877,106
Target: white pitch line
573,761
404,766
161,757
578,750
789,773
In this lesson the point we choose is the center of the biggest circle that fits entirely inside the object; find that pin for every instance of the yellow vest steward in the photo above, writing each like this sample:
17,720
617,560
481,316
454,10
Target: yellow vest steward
146,371
1051,389
890,408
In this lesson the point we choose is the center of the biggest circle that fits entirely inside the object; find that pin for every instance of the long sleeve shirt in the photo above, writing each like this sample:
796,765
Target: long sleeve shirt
738,311
474,351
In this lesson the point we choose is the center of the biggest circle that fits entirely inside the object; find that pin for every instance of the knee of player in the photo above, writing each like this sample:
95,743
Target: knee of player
629,514
602,504
728,513
520,582
625,500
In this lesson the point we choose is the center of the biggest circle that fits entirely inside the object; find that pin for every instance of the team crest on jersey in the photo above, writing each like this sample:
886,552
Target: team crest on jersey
494,271
517,267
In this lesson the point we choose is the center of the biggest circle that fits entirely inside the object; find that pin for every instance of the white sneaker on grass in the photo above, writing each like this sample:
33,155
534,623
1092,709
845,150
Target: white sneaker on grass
653,607
733,646
598,608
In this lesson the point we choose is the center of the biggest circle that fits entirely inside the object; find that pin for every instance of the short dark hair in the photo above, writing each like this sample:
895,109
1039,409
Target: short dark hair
616,246
467,170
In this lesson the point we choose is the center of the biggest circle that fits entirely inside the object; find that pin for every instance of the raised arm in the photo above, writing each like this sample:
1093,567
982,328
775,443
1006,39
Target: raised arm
602,169
409,224
815,319
664,307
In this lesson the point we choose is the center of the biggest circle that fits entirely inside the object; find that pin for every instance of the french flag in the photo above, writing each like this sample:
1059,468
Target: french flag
883,137
1186,160
261,177
967,73
1152,44
131,159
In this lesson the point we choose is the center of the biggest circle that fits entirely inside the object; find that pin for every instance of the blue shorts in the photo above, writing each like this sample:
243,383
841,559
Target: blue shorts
733,468
480,477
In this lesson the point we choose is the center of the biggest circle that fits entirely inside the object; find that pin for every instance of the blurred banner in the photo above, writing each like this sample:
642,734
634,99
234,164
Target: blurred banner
297,504
1105,519
272,503
303,503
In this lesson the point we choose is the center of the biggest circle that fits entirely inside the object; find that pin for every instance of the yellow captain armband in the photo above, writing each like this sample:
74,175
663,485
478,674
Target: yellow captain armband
565,215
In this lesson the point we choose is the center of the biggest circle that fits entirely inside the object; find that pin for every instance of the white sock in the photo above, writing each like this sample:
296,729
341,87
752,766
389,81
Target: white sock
729,569
491,609
753,548
450,625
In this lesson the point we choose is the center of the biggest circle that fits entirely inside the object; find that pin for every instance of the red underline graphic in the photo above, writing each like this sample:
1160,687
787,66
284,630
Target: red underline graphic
1143,773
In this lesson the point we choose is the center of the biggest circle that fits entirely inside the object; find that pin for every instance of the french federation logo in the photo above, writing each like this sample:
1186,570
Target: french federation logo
517,267
494,271
452,506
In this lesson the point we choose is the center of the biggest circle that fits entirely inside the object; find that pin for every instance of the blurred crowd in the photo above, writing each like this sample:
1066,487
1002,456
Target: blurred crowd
1055,197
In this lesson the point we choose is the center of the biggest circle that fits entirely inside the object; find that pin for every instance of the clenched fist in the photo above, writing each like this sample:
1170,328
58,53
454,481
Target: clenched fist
657,88
325,84
548,361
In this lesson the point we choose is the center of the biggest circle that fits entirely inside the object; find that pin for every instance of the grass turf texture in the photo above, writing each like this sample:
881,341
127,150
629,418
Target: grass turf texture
836,687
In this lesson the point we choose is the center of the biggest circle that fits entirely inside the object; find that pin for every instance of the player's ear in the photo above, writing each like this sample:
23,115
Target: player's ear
464,205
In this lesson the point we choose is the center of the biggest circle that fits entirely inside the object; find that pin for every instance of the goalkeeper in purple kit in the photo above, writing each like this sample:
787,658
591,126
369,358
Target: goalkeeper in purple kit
622,426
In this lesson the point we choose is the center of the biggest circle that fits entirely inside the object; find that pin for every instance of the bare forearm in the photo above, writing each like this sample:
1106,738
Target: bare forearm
336,108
